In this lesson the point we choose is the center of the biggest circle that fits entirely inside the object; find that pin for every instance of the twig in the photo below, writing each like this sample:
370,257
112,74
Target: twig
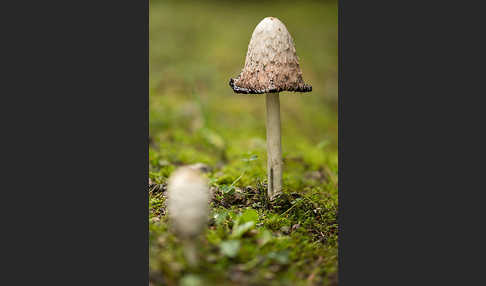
237,179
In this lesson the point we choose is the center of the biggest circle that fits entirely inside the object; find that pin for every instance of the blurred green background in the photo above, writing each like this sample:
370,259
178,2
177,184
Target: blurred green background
195,48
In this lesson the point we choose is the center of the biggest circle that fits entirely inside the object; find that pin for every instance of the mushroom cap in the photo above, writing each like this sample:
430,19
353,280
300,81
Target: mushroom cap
271,63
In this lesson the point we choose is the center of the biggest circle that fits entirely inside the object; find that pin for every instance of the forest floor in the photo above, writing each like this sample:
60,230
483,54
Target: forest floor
195,47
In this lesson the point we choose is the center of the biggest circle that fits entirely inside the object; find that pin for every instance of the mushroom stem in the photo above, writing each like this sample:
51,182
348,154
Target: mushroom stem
190,252
274,146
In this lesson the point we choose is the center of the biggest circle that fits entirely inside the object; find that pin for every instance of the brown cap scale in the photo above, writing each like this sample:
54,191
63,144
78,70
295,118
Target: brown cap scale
271,63
271,66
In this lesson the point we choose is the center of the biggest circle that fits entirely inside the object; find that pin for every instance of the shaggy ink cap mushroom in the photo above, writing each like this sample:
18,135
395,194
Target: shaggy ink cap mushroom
188,201
188,208
271,64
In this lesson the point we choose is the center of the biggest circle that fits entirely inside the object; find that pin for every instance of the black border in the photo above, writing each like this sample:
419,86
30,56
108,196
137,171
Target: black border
410,76
76,164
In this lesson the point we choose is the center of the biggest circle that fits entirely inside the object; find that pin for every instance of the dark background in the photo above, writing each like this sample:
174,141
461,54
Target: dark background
75,144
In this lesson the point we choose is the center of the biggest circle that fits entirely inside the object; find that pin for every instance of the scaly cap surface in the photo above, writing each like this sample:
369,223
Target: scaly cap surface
271,63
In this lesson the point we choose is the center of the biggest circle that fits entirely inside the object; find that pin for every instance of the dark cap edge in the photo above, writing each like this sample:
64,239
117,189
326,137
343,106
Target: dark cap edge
237,89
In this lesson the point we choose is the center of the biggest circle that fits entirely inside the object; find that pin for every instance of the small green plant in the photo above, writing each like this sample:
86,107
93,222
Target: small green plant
230,189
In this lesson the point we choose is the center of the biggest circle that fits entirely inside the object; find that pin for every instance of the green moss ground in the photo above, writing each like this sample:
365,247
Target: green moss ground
195,47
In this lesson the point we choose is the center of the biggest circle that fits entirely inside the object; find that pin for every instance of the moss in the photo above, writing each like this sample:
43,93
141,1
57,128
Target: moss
196,117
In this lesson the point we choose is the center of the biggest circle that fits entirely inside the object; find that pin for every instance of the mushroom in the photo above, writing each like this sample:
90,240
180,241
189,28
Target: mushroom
271,66
188,207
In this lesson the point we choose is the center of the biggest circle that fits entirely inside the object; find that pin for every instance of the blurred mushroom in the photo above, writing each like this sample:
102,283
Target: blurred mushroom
271,66
203,168
188,207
